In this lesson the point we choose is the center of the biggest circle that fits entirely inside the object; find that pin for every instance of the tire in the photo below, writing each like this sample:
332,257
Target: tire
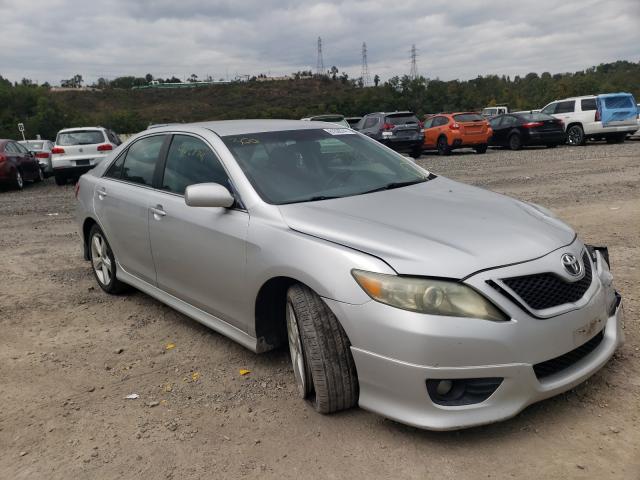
323,366
416,152
481,148
40,177
443,146
61,180
103,263
515,142
575,135
18,180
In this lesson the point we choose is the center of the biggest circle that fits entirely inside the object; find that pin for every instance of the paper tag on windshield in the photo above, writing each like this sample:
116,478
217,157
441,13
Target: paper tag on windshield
339,131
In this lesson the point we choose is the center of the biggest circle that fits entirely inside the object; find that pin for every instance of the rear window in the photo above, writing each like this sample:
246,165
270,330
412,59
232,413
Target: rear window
588,104
80,137
33,145
536,117
468,117
402,119
623,101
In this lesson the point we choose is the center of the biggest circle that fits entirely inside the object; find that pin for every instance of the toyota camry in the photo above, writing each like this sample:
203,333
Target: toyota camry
428,301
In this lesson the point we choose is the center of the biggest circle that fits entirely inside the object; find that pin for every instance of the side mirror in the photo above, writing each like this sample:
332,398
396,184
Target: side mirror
208,195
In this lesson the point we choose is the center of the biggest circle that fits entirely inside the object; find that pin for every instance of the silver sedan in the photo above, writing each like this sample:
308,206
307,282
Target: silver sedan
430,302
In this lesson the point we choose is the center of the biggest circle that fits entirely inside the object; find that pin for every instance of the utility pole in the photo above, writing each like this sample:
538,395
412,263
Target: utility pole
366,78
320,63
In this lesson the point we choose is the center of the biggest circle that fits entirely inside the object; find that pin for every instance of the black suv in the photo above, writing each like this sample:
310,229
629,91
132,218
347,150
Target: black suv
401,131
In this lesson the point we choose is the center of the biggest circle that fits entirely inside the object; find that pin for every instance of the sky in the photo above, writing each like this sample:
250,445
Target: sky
50,40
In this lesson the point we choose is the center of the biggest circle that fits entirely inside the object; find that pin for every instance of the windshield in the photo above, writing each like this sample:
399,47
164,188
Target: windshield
80,137
308,165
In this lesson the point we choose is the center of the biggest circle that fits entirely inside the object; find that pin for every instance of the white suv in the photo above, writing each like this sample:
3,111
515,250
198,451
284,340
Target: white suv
78,150
611,117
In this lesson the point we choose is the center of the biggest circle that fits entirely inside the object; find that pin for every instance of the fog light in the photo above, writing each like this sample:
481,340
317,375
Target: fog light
444,387
462,391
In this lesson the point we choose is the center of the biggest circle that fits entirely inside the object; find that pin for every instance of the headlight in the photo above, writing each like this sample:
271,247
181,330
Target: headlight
435,297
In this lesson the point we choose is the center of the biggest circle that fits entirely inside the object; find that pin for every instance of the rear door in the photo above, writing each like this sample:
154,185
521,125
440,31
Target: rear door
499,131
199,253
122,201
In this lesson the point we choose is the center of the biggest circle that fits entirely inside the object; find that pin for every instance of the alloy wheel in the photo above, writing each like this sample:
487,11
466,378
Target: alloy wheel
295,349
100,259
19,180
575,136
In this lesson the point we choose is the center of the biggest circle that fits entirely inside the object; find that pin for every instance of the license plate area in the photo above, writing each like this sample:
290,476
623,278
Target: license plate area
81,163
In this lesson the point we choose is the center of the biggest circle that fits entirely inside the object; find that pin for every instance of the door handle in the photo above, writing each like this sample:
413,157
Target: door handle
158,211
102,193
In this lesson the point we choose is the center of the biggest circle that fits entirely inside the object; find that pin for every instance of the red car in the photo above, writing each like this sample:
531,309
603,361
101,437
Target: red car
17,164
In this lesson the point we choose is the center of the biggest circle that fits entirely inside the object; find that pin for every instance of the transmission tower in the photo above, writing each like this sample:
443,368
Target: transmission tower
413,74
366,78
320,62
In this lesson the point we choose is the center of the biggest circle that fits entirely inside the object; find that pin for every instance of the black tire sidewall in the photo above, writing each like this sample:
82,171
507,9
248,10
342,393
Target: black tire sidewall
517,145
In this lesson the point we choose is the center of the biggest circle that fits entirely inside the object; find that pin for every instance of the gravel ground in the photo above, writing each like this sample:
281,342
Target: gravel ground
69,355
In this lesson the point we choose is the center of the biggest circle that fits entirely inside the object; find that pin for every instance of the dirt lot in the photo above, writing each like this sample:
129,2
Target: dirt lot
70,354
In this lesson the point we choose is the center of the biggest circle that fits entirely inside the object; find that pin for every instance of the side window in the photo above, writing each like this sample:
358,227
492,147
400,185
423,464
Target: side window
588,104
10,148
21,149
191,161
495,122
565,107
428,123
370,122
550,109
509,121
140,160
115,170
439,121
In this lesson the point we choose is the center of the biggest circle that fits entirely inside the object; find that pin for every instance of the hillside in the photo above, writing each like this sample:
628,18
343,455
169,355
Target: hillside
45,112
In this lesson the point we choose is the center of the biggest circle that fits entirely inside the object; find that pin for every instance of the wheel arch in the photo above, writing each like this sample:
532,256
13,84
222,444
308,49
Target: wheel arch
87,224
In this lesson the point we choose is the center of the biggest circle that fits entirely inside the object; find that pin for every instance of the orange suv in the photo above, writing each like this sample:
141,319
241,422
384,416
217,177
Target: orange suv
447,131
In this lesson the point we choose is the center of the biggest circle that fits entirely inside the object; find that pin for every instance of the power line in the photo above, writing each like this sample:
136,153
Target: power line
413,73
366,78
320,63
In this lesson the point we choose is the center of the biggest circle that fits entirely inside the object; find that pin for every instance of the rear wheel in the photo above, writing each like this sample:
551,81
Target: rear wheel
40,176
481,148
320,353
575,135
416,152
18,181
60,179
103,262
515,142
443,146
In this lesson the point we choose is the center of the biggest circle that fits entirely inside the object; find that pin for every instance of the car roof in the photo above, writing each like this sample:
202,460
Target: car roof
71,129
239,127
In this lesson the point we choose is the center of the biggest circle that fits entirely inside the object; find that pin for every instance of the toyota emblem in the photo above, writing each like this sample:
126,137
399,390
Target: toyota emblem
571,264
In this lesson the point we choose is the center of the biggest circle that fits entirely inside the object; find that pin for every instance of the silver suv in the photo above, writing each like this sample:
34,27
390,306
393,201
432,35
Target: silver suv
431,302
78,150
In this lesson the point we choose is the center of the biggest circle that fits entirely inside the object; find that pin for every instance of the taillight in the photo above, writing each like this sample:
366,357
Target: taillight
2,158
56,150
104,147
454,126
597,117
532,124
42,155
77,189
388,126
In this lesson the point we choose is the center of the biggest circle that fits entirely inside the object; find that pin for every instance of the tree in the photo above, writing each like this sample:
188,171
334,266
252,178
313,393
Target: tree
148,77
334,72
193,78
376,80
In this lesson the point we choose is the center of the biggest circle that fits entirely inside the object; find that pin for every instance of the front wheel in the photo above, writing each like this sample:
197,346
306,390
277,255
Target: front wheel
61,180
103,262
443,146
323,367
18,181
515,142
481,148
416,152
575,135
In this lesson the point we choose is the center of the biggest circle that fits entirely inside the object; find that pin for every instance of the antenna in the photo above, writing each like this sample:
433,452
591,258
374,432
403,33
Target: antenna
366,78
320,63
413,73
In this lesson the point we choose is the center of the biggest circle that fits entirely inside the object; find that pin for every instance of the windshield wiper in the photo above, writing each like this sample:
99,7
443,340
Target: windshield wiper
391,186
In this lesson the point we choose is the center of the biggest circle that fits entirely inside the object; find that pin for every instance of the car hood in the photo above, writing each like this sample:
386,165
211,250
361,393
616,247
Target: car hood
438,228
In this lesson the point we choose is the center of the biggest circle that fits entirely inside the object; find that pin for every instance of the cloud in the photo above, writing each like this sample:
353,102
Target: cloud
48,40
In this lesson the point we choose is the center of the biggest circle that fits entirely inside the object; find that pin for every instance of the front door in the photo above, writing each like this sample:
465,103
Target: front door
199,253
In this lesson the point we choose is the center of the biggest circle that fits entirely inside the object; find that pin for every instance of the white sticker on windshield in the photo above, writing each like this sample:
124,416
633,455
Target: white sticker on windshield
339,131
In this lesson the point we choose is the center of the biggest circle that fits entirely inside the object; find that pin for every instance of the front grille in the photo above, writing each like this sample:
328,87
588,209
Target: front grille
546,290
558,364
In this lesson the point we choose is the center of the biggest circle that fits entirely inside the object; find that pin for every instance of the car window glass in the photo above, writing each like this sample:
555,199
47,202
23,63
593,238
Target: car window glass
565,107
10,148
370,122
80,137
140,160
508,121
588,104
115,170
428,123
21,148
191,161
439,121
495,122
550,109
